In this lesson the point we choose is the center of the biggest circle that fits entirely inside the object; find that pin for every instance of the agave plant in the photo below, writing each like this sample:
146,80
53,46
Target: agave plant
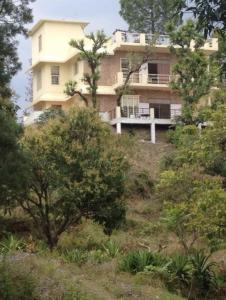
11,244
180,269
111,249
203,275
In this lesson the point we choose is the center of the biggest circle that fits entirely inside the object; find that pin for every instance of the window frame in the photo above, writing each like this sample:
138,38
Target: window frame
55,75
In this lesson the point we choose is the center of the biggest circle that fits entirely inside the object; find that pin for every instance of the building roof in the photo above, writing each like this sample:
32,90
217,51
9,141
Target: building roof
42,21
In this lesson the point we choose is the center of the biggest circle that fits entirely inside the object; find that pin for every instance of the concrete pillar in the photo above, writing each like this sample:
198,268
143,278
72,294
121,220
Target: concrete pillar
118,128
152,129
153,136
118,117
142,39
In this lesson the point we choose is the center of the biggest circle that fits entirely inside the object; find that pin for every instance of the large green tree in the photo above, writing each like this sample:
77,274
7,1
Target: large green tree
148,16
210,15
14,15
76,169
193,77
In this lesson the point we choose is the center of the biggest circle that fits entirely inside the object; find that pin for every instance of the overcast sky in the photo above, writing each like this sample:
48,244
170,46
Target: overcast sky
101,14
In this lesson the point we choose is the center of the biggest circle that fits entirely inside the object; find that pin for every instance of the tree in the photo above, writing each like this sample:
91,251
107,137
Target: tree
11,159
75,170
195,205
93,57
147,16
14,15
192,78
210,15
194,179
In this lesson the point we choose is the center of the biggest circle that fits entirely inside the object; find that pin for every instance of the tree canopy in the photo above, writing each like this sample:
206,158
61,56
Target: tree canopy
74,170
148,16
14,15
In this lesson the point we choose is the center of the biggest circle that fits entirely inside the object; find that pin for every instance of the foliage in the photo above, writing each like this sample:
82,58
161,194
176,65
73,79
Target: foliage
14,15
192,78
195,205
111,248
138,261
143,185
75,256
180,271
75,169
11,244
15,285
148,16
11,159
50,113
203,275
209,14
93,58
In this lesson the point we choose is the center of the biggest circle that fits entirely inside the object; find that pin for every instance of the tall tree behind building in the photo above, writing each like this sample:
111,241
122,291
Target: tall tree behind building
146,15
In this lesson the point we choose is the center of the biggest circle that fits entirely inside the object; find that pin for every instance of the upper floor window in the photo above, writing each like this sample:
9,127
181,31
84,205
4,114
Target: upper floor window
39,79
55,75
125,65
40,43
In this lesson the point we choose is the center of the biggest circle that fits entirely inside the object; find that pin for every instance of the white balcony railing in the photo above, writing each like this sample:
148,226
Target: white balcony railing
145,79
122,37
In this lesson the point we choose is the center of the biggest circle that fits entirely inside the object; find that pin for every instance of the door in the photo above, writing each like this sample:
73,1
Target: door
152,73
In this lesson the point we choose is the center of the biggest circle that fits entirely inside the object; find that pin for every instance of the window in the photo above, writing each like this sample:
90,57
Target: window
125,65
55,75
76,68
39,79
40,43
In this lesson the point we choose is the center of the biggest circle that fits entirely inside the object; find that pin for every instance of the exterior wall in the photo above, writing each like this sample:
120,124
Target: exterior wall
55,41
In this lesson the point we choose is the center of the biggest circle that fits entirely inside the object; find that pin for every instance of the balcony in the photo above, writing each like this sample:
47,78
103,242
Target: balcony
150,81
130,41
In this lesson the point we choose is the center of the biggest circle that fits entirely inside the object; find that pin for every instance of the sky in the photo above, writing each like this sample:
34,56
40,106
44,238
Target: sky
101,14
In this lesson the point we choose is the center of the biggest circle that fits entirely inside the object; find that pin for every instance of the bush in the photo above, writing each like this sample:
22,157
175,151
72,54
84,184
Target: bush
75,256
111,249
11,244
138,261
142,184
15,285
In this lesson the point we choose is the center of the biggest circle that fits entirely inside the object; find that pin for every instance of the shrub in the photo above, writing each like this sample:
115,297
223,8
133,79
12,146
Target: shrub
142,184
180,270
98,256
111,249
203,275
15,285
11,244
137,261
75,256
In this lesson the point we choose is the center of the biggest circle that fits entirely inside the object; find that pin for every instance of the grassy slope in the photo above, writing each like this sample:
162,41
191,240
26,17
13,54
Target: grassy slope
103,281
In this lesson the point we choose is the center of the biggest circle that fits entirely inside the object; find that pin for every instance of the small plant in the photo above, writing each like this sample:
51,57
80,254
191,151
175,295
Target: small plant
143,184
15,285
180,269
137,261
11,244
111,249
75,256
98,256
203,276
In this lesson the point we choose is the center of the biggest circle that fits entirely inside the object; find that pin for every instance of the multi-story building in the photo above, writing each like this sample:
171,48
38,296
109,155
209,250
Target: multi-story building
54,62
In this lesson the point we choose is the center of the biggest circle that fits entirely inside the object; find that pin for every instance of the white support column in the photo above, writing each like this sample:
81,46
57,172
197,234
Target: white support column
118,128
152,129
118,117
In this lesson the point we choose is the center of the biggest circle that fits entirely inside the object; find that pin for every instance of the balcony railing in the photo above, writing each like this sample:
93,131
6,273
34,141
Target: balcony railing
122,37
157,39
145,79
161,111
128,37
